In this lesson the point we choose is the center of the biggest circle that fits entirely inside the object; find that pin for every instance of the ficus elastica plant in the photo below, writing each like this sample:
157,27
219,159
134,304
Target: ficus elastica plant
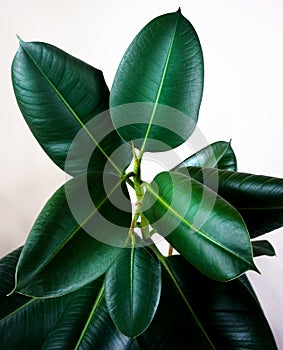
92,273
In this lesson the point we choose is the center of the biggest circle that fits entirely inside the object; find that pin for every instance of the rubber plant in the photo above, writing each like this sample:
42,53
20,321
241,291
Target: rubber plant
91,274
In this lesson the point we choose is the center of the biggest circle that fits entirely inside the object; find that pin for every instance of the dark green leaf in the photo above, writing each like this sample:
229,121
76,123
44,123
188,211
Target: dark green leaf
263,248
61,245
7,279
77,320
199,224
157,89
244,280
86,325
59,96
25,322
258,198
217,155
132,290
7,271
228,312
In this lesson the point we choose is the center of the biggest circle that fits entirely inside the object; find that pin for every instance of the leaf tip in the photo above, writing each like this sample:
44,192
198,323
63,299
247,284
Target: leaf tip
255,269
179,10
21,41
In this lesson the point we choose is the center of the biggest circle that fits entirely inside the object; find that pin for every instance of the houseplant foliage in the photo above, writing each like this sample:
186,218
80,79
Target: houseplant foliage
90,275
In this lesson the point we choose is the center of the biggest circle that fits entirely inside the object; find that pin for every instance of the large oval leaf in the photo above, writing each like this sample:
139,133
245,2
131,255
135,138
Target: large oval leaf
25,322
199,224
163,66
217,155
77,320
258,198
58,95
59,245
228,312
132,290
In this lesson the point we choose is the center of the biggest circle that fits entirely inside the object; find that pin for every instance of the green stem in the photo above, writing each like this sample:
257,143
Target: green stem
137,175
134,223
140,156
163,261
145,227
137,184
127,179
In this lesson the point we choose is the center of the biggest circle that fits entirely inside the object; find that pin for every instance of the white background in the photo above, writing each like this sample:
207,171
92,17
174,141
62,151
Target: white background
242,43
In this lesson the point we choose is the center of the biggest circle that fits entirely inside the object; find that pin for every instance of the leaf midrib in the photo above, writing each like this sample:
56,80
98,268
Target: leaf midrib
11,314
194,228
91,316
67,239
162,79
188,305
132,268
73,113
217,160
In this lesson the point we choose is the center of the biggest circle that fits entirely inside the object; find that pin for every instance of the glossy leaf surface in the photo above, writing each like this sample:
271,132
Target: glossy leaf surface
228,312
58,95
199,224
86,325
132,290
59,245
77,320
258,198
24,322
263,247
159,85
217,155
